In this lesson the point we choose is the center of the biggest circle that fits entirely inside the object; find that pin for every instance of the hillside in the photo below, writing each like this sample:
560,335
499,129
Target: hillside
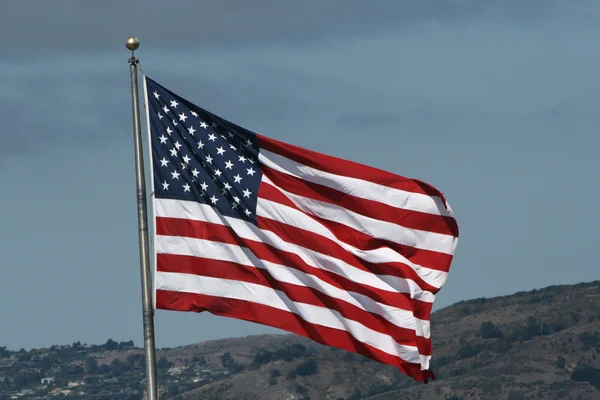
542,344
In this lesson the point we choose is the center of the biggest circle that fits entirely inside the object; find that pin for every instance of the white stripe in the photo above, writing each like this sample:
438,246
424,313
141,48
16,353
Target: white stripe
290,216
373,227
209,249
356,187
203,212
312,314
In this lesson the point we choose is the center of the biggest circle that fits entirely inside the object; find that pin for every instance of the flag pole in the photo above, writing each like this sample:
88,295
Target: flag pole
148,312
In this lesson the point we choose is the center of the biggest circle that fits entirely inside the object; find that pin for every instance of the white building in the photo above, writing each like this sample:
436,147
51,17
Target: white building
47,381
175,370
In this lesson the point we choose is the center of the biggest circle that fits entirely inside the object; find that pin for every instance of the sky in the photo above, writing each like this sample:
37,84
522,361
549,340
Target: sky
493,102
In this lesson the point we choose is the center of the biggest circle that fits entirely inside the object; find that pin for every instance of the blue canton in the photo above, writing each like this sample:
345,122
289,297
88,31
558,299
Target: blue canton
198,156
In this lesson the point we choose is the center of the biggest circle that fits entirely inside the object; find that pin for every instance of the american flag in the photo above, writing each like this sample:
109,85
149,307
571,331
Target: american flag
252,228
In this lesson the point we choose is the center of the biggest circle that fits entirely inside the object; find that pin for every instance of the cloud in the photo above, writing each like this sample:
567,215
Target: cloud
79,93
38,27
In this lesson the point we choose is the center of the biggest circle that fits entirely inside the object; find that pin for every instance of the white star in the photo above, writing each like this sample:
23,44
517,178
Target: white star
220,151
186,159
232,147
251,161
227,186
163,139
247,193
218,172
247,212
236,199
203,125
174,152
204,186
166,109
250,171
213,125
230,134
164,162
186,188
234,205
182,117
214,200
191,130
169,131
183,166
177,144
175,123
165,185
249,143
160,116
237,178
175,174
194,114
209,159
242,158
174,104
200,144
228,165
212,137
195,172
156,94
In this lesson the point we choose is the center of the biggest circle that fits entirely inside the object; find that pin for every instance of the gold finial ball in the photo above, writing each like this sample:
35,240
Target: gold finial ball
132,43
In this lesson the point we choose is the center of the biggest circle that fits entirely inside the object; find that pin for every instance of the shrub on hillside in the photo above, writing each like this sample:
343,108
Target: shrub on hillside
163,363
469,351
275,373
500,346
587,373
290,375
590,340
308,367
263,357
356,395
300,389
490,331
228,362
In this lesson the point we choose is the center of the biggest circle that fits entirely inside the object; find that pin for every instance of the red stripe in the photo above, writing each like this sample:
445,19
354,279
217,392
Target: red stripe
425,258
299,294
266,252
370,208
320,244
347,168
286,321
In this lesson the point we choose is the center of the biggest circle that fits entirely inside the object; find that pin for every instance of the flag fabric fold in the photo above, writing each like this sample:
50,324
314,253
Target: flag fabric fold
256,229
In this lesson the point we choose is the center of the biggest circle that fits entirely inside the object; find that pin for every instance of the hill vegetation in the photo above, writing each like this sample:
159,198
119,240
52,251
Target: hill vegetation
542,344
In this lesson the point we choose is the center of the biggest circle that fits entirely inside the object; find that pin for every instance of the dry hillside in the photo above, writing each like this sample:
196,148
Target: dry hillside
542,344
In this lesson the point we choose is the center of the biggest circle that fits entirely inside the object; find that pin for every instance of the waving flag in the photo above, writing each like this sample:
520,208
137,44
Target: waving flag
252,228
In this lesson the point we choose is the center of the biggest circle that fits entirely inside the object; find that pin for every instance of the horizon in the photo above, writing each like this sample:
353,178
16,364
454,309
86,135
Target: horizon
494,104
136,346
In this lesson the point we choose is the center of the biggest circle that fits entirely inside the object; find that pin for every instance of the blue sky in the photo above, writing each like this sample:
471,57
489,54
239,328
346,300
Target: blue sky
493,102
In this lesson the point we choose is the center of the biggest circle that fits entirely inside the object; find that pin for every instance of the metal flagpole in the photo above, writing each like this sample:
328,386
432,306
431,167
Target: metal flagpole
148,312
